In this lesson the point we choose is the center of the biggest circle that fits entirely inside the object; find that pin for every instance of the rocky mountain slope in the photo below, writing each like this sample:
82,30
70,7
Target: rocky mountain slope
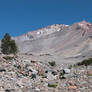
60,41
18,73
45,61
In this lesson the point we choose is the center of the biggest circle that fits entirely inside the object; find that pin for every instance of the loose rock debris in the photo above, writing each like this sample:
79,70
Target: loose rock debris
18,75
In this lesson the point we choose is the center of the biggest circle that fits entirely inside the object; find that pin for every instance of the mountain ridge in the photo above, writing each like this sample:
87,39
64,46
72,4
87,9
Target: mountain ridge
82,28
58,42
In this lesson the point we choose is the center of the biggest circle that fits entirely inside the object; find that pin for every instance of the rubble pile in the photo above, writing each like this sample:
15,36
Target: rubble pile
24,75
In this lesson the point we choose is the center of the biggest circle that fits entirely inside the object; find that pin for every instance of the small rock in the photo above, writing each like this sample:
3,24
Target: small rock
72,87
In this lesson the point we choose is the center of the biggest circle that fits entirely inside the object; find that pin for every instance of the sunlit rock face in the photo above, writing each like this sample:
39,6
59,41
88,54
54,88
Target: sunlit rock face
41,32
58,40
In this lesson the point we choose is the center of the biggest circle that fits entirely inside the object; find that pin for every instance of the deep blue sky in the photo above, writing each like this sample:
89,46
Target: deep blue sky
20,16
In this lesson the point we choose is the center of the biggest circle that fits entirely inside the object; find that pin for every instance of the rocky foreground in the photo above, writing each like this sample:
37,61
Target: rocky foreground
25,75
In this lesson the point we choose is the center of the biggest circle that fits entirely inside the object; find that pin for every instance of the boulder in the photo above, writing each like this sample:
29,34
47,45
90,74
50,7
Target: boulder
37,89
50,76
67,71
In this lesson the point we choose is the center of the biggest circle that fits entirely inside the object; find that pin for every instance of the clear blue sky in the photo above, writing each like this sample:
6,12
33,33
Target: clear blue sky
20,16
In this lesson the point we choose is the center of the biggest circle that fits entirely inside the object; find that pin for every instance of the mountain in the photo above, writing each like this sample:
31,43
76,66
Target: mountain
58,41
45,58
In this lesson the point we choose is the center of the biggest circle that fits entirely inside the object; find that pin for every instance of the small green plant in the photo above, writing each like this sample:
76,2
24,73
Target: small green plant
52,63
62,73
8,58
33,76
70,66
17,66
52,85
89,74
85,62
7,90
